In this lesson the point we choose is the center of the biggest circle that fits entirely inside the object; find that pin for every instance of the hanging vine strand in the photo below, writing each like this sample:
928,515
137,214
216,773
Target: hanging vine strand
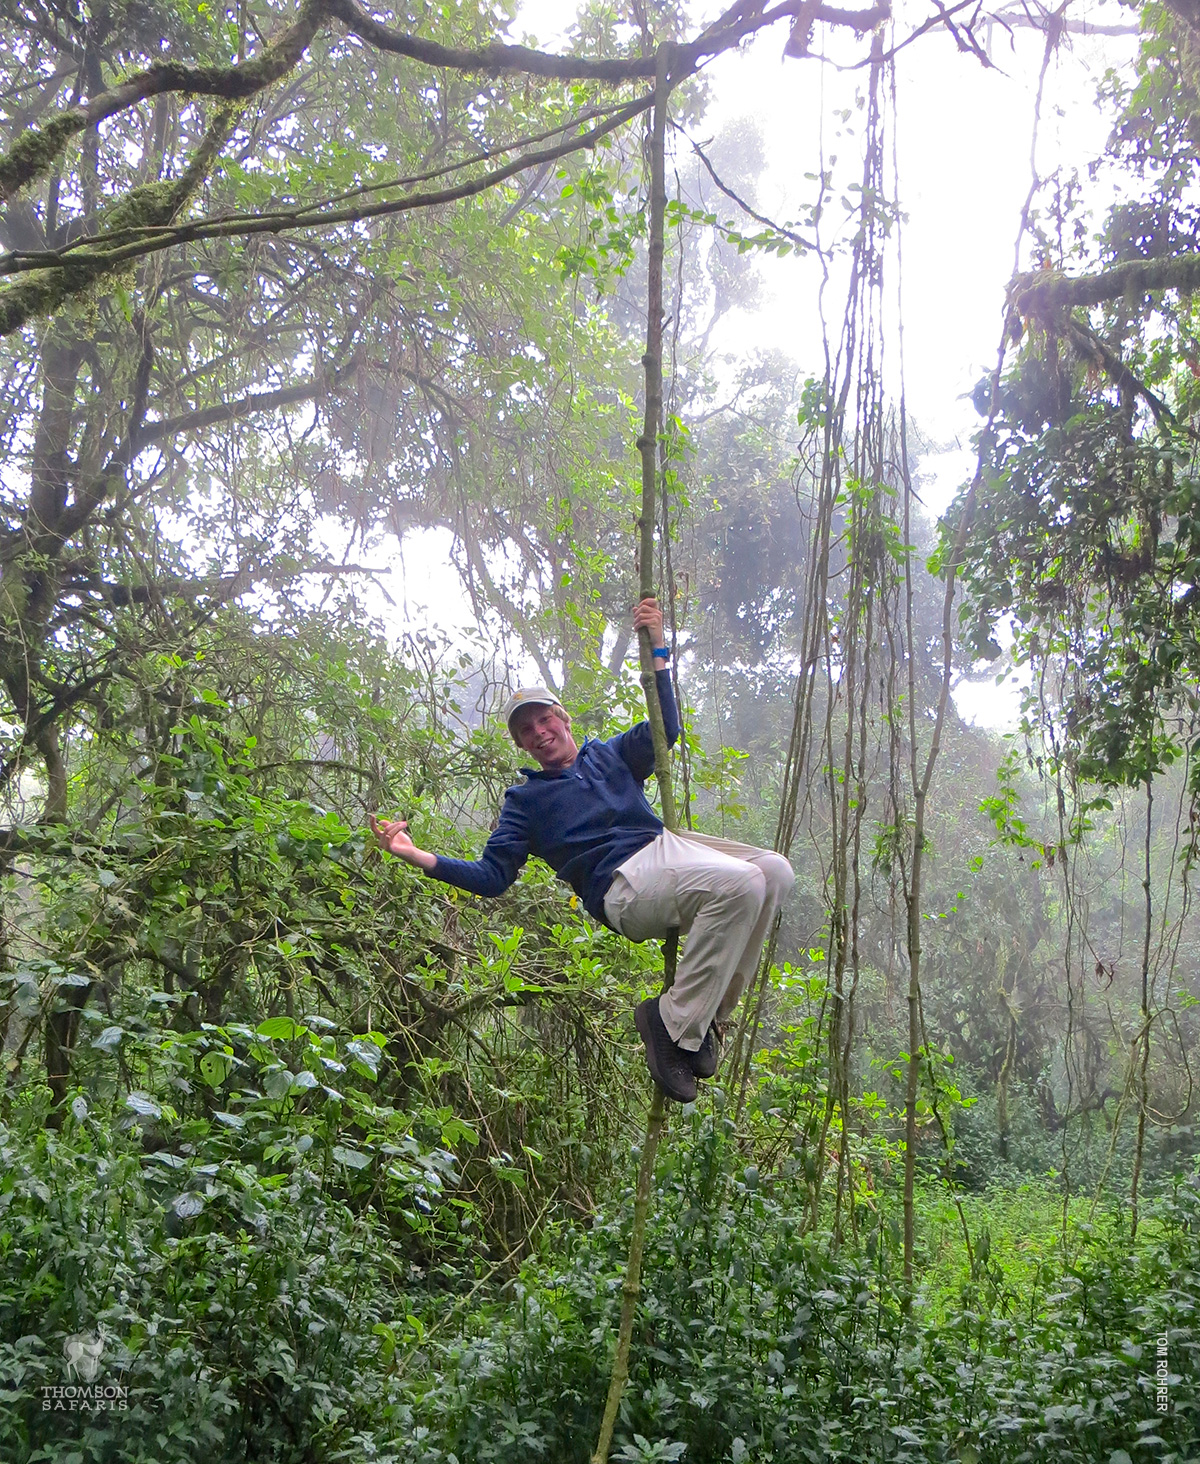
648,446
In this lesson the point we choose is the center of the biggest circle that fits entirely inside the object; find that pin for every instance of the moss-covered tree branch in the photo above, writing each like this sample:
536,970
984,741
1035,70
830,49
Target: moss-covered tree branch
1045,293
54,277
33,155
153,206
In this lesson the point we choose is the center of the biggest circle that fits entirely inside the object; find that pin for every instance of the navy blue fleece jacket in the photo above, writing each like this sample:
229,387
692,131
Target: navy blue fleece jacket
584,821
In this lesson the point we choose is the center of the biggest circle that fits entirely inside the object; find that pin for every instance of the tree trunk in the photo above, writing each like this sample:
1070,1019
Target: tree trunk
648,446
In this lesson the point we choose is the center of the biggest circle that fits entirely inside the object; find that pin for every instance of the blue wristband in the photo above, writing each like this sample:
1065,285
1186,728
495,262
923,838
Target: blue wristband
660,653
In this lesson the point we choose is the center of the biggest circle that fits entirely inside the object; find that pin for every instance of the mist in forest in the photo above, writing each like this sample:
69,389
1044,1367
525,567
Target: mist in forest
775,425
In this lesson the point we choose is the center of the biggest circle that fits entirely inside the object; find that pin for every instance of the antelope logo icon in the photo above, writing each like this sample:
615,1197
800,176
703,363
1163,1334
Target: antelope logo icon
82,1352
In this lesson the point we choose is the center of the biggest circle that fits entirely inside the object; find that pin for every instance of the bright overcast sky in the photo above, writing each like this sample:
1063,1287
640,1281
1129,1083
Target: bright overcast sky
963,137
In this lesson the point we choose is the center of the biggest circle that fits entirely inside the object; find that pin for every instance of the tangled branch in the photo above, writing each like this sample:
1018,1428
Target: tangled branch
34,154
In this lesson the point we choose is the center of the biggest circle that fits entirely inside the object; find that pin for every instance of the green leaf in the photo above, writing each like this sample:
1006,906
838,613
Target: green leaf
214,1068
387,1347
279,1029
366,1055
278,1084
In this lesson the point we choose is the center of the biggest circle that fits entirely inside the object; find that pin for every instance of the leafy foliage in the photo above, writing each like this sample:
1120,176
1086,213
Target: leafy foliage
331,1161
761,1341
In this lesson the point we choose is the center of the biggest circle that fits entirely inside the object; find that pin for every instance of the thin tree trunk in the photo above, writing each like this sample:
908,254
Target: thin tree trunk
920,785
651,425
1005,986
632,1285
1143,1090
648,446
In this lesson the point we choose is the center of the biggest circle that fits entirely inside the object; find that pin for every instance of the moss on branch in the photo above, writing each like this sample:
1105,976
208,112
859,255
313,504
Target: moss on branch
33,155
153,205
1045,294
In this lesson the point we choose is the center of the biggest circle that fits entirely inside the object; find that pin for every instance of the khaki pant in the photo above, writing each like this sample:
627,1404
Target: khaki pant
723,895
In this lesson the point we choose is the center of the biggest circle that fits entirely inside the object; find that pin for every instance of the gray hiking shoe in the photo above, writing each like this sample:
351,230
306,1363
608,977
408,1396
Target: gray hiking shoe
707,1057
670,1066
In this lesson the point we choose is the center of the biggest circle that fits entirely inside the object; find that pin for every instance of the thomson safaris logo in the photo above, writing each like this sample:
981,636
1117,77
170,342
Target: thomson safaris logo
83,1354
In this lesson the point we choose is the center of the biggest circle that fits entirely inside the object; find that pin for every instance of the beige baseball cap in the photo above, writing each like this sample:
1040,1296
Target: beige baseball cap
527,696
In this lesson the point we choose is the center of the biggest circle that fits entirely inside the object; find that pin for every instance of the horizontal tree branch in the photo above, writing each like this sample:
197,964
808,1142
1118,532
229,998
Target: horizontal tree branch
855,20
726,31
1041,19
484,155
33,154
247,406
25,261
44,290
494,58
50,278
1046,293
223,587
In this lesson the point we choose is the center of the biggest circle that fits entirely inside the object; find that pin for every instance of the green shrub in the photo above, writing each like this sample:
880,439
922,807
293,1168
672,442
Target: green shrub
240,1300
757,1340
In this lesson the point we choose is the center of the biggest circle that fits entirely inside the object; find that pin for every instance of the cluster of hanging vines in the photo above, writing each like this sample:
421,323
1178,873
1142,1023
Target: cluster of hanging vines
860,763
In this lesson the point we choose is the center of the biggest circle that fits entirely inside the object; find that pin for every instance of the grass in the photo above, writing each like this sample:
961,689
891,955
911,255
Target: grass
1017,1233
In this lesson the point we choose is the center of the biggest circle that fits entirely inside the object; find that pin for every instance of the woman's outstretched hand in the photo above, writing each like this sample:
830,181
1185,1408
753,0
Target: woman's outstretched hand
392,835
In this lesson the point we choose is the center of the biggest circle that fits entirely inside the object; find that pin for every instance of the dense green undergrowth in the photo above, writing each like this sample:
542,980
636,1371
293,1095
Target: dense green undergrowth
324,1161
255,1307
761,1341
